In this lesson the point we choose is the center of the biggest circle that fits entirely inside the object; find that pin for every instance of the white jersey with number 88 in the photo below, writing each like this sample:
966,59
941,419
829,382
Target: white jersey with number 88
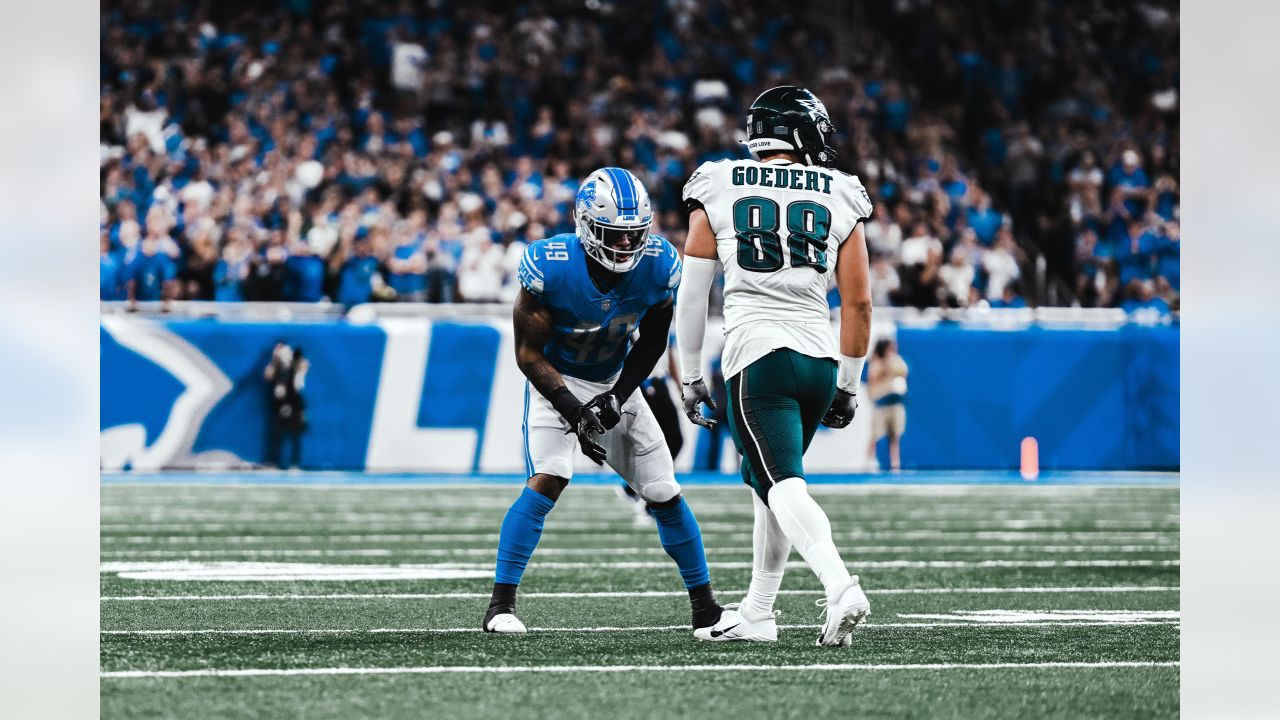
778,227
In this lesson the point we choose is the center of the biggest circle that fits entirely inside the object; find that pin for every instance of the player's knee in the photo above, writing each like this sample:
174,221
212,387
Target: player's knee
548,485
762,489
560,467
663,493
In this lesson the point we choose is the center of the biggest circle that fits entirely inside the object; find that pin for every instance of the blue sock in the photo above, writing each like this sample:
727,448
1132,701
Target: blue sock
681,538
521,530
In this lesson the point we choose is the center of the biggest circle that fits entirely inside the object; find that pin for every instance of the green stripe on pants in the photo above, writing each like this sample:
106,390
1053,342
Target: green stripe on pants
775,407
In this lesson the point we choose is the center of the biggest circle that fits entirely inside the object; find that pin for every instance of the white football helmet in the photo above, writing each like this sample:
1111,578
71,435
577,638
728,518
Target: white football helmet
613,215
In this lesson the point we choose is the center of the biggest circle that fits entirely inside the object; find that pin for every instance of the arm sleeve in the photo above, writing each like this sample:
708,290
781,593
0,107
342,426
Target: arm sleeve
646,351
691,314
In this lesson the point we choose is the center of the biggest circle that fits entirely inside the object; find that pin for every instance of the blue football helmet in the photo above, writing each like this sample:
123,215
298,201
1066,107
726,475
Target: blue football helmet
613,215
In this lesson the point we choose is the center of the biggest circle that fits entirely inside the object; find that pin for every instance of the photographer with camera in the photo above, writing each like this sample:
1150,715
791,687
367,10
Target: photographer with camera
286,376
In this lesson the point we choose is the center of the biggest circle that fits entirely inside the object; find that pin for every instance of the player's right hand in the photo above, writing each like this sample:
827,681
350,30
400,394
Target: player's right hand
587,427
693,393
607,407
842,409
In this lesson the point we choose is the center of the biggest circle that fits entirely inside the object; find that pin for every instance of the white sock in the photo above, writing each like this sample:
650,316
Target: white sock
807,527
769,550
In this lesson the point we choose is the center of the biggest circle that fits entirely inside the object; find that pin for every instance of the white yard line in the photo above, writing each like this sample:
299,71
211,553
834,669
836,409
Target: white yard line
210,550
145,570
638,594
265,672
634,535
391,521
551,537
611,629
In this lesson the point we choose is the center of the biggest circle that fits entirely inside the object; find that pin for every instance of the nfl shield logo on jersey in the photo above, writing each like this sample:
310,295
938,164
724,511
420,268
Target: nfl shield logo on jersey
605,304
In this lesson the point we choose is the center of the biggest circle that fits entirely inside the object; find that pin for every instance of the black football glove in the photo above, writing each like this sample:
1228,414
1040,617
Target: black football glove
693,393
586,428
842,409
584,422
607,407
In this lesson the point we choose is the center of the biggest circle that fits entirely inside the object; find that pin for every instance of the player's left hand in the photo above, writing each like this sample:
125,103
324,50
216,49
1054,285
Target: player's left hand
607,407
841,411
691,394
587,427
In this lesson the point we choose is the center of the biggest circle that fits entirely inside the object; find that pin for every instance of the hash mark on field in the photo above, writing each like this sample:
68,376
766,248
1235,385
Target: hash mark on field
1030,617
639,593
126,674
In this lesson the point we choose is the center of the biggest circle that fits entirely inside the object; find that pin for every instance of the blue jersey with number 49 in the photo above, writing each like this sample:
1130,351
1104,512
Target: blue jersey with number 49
593,329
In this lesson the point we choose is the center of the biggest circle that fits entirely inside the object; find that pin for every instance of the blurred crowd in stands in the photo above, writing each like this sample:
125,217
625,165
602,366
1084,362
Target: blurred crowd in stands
1018,152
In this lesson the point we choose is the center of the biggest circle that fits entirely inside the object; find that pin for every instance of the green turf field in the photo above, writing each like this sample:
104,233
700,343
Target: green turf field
347,602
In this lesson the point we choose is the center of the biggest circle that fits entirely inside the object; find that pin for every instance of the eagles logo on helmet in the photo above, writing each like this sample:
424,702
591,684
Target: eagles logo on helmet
789,118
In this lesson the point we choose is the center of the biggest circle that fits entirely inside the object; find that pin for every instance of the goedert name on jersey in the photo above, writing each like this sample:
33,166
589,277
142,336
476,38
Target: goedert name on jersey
791,177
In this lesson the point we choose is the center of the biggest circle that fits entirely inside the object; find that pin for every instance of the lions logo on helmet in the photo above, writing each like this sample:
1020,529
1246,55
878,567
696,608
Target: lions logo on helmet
613,214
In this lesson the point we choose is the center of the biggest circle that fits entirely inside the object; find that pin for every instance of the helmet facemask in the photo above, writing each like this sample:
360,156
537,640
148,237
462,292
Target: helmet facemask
816,151
616,247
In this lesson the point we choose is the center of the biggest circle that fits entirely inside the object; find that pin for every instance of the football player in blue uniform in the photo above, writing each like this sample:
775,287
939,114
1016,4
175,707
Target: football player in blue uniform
583,296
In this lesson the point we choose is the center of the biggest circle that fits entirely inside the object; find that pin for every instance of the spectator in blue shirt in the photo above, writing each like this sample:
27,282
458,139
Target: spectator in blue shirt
1166,192
409,133
303,274
110,272
894,109
984,219
150,274
407,267
1010,297
1131,179
1136,253
1142,303
358,277
232,269
1168,252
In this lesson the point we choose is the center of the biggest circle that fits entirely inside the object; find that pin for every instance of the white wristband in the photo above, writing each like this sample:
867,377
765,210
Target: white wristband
850,373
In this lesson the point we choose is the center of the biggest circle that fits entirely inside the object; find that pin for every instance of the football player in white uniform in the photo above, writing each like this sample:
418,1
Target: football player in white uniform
780,225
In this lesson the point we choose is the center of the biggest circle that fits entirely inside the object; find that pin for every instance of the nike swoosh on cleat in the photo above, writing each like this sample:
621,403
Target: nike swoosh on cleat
718,633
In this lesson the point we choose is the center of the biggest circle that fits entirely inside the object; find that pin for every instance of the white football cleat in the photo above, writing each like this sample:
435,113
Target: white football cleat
850,610
506,623
733,626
